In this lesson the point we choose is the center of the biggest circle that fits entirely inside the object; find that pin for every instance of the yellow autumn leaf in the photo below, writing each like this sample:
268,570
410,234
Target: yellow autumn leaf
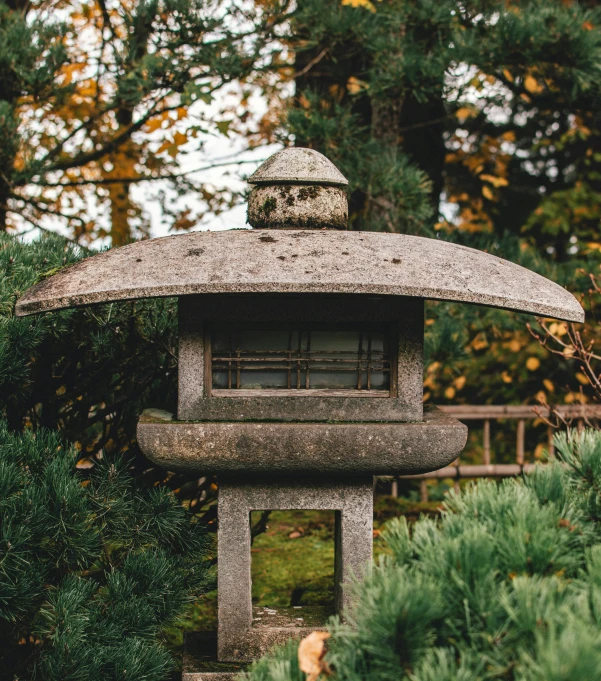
532,85
354,85
508,75
532,363
558,328
549,385
449,393
480,342
581,378
366,4
506,377
541,397
514,345
487,193
495,181
459,382
466,112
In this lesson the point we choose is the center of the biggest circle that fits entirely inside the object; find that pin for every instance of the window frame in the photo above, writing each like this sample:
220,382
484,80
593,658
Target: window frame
389,331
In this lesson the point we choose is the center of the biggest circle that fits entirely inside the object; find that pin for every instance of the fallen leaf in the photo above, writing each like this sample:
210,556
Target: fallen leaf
294,535
311,651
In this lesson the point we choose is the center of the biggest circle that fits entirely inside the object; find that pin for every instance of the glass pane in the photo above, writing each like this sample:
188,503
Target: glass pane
301,359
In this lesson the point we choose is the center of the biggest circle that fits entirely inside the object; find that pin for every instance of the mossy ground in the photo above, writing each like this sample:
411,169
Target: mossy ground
293,562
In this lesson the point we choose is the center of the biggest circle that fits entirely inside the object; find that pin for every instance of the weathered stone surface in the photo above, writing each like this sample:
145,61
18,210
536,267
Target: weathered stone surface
241,635
293,206
404,317
301,261
303,448
200,659
307,408
298,165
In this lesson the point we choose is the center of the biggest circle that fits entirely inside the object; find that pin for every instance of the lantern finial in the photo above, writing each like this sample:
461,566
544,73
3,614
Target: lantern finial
298,188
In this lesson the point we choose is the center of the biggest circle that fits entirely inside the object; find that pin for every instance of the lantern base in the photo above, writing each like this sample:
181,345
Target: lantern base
271,627
245,635
200,659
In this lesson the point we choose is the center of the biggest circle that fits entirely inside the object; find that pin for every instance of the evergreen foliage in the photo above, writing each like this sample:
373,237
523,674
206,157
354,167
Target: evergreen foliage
94,97
93,565
475,122
490,106
92,568
507,585
88,372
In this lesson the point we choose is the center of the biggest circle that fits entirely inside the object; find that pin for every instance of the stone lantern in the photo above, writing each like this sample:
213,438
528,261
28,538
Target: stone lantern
300,363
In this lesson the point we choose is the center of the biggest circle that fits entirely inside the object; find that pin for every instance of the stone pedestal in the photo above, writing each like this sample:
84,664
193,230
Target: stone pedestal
239,638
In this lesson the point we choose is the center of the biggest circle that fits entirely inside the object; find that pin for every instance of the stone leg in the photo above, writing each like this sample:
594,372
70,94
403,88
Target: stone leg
352,500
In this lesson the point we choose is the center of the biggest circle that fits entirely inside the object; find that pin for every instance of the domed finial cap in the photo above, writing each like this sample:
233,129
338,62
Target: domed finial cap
298,189
296,165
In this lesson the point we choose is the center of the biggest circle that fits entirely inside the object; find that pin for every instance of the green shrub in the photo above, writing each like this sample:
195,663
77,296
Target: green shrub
93,564
88,372
92,568
507,585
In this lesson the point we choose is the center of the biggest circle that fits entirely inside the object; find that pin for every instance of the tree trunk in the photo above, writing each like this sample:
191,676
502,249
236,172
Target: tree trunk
123,162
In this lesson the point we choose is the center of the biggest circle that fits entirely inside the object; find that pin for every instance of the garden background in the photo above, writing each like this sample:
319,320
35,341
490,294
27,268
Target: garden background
474,122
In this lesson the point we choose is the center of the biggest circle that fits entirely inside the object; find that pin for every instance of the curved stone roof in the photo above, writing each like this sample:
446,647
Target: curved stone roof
301,261
298,165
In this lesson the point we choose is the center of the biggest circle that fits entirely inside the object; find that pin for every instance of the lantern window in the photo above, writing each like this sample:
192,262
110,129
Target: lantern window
300,360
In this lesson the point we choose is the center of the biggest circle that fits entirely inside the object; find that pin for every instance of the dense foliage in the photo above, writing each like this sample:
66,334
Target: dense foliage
99,95
507,585
93,565
476,122
93,568
87,372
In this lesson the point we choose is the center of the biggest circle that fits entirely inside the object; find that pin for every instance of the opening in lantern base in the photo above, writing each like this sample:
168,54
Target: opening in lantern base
244,634
292,560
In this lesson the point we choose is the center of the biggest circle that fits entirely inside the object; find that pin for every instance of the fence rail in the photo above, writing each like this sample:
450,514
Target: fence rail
581,414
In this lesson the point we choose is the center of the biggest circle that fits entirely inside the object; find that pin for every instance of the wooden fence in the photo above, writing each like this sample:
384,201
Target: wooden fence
578,415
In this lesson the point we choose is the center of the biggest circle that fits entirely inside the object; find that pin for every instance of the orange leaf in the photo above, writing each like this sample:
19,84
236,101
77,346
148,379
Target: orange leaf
487,193
311,651
154,124
466,112
532,85
180,138
495,181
